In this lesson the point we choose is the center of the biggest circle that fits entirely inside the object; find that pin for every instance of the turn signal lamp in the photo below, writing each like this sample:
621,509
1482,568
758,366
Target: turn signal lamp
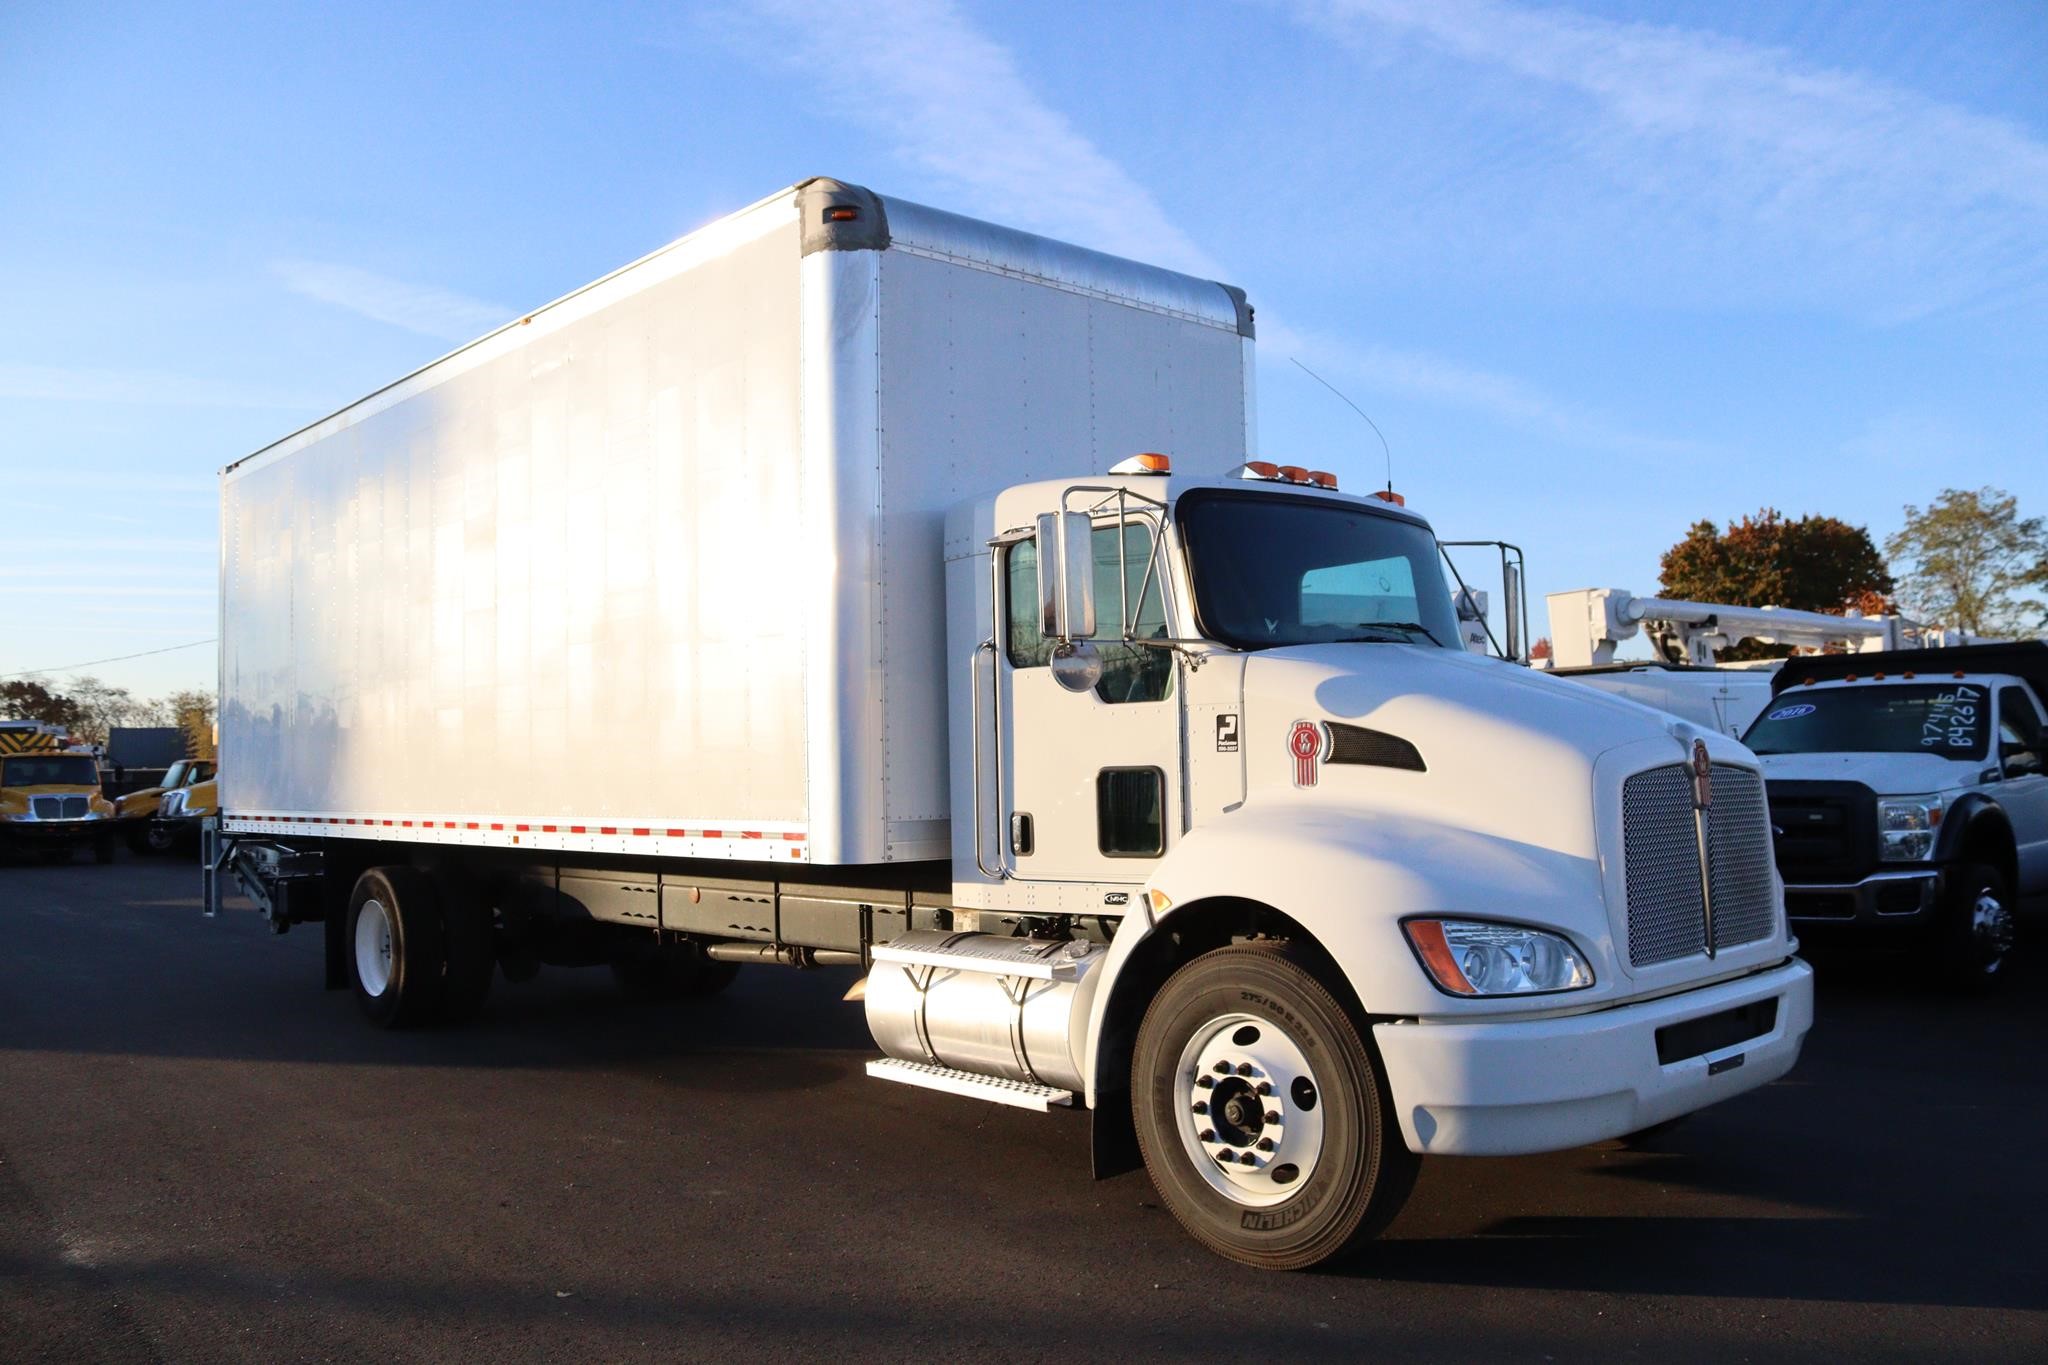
1150,462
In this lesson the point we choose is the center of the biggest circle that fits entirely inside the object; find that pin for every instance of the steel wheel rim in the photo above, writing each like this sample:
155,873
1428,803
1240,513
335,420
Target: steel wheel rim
1991,927
373,947
1255,1161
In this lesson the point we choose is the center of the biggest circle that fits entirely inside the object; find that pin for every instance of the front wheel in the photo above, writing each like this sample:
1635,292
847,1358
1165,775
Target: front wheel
1976,927
160,837
1261,1111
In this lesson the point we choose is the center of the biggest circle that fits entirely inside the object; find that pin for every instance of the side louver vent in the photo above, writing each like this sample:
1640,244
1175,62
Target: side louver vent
1373,748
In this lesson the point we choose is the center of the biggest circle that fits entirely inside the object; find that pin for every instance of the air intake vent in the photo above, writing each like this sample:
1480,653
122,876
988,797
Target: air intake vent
1373,748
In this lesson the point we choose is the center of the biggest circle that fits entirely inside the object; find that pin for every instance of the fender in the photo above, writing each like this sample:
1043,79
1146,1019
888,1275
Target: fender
1974,816
1347,877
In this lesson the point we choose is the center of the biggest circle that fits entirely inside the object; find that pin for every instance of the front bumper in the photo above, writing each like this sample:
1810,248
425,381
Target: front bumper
1542,1085
46,833
1881,901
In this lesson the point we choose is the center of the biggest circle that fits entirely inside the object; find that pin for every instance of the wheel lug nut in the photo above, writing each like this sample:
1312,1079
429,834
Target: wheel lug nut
1223,1068
1272,1116
1206,1082
1263,1088
1265,1144
1244,1068
1201,1107
1248,1159
1208,1135
1226,1156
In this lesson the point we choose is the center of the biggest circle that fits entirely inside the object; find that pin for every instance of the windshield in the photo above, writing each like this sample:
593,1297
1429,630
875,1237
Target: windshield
70,770
1295,571
175,775
1951,719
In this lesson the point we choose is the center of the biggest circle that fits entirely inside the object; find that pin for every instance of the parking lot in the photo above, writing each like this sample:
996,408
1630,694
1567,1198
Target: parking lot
202,1155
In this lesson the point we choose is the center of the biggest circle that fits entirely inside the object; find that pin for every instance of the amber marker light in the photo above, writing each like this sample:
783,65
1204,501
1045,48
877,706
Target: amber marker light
1428,937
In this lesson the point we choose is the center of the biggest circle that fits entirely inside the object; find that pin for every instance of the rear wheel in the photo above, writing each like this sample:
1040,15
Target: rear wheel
1261,1112
397,947
1976,927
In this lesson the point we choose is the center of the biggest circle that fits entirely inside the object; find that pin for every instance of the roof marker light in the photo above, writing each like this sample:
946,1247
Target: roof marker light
1323,478
1150,462
1256,469
1293,473
842,213
1389,495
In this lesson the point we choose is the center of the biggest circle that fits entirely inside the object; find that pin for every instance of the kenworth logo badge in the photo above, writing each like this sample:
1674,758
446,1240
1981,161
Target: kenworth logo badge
1305,743
1702,777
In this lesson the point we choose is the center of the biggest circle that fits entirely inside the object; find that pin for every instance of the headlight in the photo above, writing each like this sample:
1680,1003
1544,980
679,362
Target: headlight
1466,957
1906,826
172,805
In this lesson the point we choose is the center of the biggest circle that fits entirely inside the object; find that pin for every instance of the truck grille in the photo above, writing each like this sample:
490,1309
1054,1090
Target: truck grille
1667,914
1826,831
59,807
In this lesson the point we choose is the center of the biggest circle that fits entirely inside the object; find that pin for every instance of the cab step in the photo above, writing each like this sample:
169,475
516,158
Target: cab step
994,1089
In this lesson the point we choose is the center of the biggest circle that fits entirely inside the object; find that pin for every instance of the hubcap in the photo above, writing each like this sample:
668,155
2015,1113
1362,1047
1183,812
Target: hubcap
1250,1109
373,947
1991,927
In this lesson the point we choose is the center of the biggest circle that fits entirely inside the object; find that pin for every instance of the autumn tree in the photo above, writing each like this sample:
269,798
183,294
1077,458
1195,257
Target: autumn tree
192,713
1971,557
26,700
101,707
1811,563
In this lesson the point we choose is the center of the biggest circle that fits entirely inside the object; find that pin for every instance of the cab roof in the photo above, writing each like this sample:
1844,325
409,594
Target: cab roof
2023,659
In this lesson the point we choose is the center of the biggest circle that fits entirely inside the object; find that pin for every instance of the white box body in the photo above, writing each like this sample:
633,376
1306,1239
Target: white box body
659,568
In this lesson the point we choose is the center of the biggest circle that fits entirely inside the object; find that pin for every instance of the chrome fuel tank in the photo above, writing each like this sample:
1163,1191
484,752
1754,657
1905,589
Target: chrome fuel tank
1010,1007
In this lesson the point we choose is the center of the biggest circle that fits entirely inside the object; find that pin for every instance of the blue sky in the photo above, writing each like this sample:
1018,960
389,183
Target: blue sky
1596,270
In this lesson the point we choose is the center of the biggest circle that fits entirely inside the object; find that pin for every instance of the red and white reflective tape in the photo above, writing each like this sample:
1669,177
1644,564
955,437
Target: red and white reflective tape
751,842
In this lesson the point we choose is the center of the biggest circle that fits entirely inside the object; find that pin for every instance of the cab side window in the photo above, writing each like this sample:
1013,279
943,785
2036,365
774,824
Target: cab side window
1130,672
2019,733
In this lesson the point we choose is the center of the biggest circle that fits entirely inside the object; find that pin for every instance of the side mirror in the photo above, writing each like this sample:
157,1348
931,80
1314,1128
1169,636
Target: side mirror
1066,576
1472,604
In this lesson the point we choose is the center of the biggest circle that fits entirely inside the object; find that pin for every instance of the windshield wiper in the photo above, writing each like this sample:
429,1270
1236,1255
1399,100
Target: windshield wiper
1394,625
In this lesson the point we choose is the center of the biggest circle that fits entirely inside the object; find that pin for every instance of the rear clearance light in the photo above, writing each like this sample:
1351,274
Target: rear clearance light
1265,471
1150,462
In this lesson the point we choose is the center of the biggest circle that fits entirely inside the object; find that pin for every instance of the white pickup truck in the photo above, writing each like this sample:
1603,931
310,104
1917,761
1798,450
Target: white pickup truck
1909,797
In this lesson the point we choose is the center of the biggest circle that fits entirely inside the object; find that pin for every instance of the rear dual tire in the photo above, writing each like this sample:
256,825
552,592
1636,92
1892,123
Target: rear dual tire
416,955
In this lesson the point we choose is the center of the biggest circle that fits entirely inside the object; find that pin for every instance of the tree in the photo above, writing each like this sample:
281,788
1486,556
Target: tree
192,712
24,700
1972,554
101,706
1813,563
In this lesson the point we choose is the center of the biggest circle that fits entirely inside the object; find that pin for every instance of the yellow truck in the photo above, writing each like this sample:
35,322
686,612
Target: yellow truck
138,810
177,820
50,801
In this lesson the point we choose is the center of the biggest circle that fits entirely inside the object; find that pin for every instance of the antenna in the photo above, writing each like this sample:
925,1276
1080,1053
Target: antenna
1361,412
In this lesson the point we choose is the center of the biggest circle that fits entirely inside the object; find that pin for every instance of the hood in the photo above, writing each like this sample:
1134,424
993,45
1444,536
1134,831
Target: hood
1505,750
1885,774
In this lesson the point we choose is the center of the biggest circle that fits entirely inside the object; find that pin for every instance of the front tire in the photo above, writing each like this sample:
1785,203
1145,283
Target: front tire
160,838
1262,1113
397,947
1976,927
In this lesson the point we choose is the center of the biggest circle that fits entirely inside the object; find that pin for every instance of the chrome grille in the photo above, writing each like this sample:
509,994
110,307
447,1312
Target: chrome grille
59,807
1660,854
1739,858
1661,863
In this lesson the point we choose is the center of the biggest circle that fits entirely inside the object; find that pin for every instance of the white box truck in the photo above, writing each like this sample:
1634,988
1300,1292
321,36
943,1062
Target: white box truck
852,582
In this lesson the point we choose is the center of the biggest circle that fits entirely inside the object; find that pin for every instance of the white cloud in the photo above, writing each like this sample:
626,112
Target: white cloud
1911,203
72,384
421,308
957,104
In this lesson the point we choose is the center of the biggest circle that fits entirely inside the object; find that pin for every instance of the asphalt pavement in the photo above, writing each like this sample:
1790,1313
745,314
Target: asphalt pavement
203,1156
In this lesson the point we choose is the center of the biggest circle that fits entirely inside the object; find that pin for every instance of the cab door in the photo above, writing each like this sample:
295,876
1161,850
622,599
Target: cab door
2023,758
1091,787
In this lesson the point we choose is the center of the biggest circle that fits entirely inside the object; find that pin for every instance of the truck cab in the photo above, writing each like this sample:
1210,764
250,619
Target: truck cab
138,809
1909,798
1208,719
50,801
